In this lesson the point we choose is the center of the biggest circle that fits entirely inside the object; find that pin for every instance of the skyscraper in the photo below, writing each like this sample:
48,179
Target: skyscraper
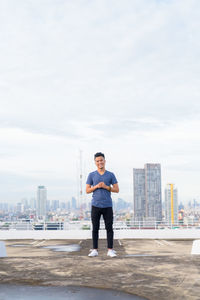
153,191
73,203
32,203
139,194
20,207
171,204
55,205
41,202
147,193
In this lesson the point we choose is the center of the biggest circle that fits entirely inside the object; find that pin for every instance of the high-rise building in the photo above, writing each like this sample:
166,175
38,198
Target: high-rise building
4,207
73,203
20,207
32,203
48,206
63,205
25,203
153,191
68,205
147,193
171,204
55,205
41,202
139,194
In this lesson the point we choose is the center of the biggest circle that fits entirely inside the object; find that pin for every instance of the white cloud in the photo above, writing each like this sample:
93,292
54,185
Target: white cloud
119,77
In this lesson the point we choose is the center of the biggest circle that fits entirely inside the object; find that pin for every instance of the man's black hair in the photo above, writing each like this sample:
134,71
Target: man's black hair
99,154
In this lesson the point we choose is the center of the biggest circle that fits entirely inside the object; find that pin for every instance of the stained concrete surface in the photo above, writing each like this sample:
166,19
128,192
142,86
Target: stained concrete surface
159,270
26,292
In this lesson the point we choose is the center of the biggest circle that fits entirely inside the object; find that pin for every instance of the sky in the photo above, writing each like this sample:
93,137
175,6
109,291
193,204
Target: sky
120,77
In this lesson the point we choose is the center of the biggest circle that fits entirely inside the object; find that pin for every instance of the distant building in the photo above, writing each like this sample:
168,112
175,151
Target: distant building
120,204
32,203
171,204
41,202
153,191
4,207
181,206
68,205
73,204
20,207
55,205
25,203
63,205
147,193
139,194
48,206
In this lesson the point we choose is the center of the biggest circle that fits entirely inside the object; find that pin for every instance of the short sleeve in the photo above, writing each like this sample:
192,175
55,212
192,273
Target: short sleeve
113,179
89,179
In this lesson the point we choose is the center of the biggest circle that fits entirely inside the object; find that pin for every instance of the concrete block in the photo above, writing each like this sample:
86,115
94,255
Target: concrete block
196,247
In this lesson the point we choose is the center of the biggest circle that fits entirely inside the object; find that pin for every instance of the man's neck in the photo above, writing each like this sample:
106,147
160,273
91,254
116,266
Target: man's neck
101,171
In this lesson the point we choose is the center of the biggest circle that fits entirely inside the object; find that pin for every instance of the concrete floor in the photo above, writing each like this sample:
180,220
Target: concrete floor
153,269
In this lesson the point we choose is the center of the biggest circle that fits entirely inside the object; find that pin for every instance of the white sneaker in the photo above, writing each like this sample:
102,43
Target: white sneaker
111,253
93,252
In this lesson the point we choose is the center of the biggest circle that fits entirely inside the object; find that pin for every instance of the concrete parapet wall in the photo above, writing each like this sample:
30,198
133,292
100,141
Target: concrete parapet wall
87,234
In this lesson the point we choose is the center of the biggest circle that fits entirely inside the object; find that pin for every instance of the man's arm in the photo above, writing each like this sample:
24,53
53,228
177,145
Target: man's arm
91,189
115,188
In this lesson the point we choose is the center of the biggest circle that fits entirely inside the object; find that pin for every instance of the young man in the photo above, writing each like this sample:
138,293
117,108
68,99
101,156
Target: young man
101,183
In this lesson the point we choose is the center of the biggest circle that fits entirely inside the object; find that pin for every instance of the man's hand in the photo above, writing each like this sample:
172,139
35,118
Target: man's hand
101,185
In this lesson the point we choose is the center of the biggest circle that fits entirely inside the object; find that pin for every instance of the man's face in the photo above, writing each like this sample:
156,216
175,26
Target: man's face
100,162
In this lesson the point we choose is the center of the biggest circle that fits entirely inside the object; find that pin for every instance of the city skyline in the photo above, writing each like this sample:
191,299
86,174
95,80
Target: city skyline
33,196
98,76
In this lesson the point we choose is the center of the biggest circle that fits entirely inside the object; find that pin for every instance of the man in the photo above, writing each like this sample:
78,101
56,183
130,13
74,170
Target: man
101,183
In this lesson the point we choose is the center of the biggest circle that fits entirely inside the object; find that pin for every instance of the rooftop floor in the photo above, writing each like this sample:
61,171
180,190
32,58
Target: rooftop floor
154,269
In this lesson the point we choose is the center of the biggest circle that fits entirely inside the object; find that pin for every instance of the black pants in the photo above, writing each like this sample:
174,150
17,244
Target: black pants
107,213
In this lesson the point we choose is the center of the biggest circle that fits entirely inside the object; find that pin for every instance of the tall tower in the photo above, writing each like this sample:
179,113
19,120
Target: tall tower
147,193
153,191
81,183
41,202
171,204
73,204
139,194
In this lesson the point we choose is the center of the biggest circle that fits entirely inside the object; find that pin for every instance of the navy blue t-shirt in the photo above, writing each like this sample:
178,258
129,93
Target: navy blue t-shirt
101,197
